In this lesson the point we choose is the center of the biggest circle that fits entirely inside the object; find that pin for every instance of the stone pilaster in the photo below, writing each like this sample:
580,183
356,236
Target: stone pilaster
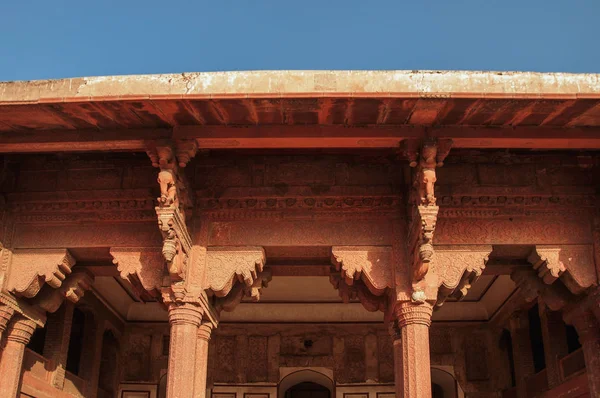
91,355
522,353
588,328
204,332
6,313
410,333
185,319
19,333
555,344
58,333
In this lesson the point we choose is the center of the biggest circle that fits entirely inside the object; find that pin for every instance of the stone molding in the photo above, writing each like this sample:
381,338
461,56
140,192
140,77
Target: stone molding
227,264
205,330
143,267
185,314
457,268
6,313
31,268
409,313
21,329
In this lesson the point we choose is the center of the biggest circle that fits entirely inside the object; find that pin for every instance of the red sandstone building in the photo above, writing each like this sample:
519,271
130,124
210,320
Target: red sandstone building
301,234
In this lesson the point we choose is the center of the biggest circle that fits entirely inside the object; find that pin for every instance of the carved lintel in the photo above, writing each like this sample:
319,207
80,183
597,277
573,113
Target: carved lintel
573,264
143,267
555,296
72,289
457,268
371,263
240,290
177,242
31,268
226,265
358,291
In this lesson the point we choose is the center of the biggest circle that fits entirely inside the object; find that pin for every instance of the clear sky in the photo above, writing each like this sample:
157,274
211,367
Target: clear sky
59,38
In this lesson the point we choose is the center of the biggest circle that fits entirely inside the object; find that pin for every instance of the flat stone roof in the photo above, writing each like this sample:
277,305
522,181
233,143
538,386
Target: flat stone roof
256,84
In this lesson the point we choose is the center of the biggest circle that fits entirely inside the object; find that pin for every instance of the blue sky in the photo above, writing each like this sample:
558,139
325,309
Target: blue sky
59,38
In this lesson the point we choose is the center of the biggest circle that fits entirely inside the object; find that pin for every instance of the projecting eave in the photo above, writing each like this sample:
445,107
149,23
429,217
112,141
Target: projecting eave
302,109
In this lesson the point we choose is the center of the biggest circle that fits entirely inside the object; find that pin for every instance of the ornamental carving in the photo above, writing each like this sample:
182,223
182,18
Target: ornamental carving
573,264
31,268
227,265
555,296
358,290
241,290
143,267
457,268
177,243
72,289
424,158
371,263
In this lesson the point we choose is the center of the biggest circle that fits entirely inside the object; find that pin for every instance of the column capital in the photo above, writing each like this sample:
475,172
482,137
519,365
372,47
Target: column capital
6,313
408,313
21,329
205,330
185,313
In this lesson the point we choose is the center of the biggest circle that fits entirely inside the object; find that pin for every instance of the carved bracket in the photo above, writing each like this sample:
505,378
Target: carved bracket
573,264
371,263
358,290
143,267
425,157
177,243
239,291
556,296
457,268
226,265
31,268
72,289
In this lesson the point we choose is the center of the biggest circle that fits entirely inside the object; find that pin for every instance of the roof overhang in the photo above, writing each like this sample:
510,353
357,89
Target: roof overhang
302,109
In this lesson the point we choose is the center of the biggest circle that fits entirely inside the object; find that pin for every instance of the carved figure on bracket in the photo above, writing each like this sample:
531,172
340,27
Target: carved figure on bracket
31,268
168,189
425,158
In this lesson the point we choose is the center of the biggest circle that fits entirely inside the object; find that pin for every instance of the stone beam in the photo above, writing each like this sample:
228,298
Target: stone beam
318,136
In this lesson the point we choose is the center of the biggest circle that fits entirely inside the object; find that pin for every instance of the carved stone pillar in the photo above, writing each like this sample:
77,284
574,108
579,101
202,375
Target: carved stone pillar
410,332
555,344
6,313
204,332
19,333
522,353
56,346
184,319
588,328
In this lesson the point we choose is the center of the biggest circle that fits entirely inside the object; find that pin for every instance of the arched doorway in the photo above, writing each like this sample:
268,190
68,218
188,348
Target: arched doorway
306,383
443,384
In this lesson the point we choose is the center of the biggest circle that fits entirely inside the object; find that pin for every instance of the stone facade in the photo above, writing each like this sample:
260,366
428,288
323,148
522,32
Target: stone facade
456,263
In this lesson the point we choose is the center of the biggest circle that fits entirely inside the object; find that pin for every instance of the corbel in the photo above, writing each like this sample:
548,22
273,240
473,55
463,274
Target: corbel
573,264
358,290
31,268
555,296
240,290
424,158
372,264
142,267
72,289
457,268
171,158
227,265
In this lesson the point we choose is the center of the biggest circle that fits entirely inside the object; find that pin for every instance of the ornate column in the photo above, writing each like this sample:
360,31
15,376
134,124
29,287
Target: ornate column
204,332
410,332
522,354
6,313
588,328
555,344
184,319
19,333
